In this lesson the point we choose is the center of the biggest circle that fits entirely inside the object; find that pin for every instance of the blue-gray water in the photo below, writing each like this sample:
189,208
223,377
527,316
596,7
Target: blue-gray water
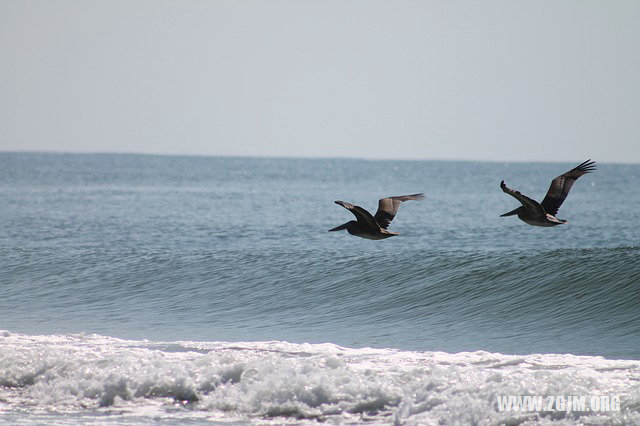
237,250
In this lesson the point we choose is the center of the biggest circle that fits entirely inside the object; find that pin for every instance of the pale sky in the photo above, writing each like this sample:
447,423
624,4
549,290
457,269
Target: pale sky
469,80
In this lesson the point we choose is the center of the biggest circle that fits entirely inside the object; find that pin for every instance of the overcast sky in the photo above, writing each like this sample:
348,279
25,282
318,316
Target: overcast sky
471,80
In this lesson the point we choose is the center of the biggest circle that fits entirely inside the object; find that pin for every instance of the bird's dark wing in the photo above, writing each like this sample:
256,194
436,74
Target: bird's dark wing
561,186
388,207
524,200
361,214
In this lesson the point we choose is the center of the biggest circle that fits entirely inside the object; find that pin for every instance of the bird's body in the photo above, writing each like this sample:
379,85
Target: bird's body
543,214
358,229
374,227
535,217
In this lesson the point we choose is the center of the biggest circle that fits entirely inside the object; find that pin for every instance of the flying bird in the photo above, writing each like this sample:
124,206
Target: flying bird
374,227
544,213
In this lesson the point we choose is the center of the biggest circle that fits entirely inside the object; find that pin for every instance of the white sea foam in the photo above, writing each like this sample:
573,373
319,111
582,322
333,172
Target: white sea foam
89,377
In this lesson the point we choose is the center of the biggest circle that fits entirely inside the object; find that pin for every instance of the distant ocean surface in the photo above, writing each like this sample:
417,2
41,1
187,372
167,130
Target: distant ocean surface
138,288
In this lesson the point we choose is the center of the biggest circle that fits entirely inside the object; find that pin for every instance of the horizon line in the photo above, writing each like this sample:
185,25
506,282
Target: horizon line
294,157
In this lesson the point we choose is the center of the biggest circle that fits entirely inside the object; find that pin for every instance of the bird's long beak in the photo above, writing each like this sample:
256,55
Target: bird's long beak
339,228
511,213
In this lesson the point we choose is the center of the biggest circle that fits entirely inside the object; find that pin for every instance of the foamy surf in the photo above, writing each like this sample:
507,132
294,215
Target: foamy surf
91,378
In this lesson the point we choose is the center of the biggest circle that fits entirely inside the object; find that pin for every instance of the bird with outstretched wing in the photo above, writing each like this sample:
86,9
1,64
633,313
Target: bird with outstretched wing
374,227
544,213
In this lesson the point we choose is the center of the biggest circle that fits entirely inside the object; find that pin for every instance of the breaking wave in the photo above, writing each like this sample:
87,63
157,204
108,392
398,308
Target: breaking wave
86,377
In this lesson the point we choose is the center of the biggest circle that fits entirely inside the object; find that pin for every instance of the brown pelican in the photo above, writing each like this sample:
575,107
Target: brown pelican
544,214
374,227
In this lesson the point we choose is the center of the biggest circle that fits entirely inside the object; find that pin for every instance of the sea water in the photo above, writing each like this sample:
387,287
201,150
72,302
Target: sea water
140,288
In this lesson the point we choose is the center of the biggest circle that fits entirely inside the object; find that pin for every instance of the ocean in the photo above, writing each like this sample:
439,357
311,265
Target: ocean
138,288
